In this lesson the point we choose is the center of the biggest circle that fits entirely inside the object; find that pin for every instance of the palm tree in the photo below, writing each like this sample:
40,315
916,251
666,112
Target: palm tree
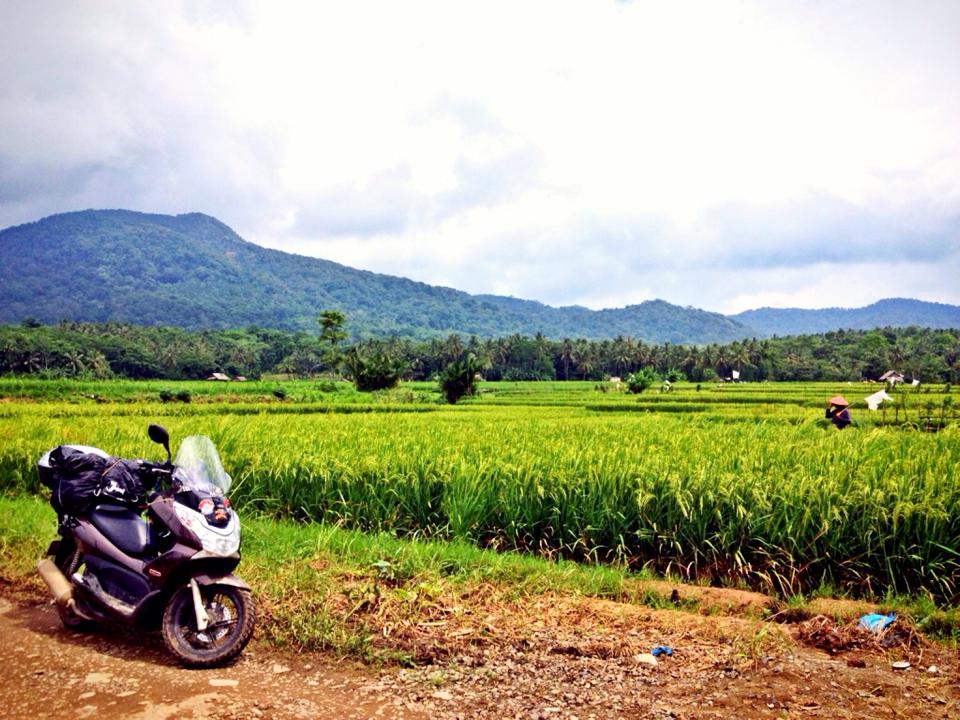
169,354
720,361
739,356
459,378
36,361
452,347
243,356
641,355
588,363
75,360
691,360
567,355
98,365
622,354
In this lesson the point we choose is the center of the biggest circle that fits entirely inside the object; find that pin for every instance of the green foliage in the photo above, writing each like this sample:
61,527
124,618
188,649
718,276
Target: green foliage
192,271
331,334
167,395
302,362
331,326
84,350
372,366
639,381
459,378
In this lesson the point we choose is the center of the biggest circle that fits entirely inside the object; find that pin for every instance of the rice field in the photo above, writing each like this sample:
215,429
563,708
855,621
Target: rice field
729,484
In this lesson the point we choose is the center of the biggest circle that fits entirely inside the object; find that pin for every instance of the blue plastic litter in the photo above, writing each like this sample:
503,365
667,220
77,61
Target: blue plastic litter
661,650
876,622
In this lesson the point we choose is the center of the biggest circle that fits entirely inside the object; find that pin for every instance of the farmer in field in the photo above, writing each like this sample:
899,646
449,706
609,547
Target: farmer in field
837,412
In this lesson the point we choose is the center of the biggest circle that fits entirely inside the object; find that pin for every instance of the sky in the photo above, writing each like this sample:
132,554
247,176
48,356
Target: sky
719,154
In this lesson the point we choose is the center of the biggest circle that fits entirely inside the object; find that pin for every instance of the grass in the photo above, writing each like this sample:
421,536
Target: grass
303,575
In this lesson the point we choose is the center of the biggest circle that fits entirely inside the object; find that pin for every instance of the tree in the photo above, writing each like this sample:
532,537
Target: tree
331,333
302,362
874,352
673,375
373,366
459,378
75,362
99,366
528,359
567,355
640,380
624,351
452,347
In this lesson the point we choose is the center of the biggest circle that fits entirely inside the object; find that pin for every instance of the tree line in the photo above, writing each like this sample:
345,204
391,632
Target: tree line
105,350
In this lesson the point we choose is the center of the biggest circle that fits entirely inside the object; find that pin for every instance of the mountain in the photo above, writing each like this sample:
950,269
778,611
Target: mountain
192,271
894,312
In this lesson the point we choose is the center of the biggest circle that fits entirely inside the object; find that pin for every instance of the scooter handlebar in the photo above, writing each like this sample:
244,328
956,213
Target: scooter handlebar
153,474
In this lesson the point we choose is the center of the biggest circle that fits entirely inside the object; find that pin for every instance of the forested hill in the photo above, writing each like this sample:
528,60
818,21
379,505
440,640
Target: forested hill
194,272
895,312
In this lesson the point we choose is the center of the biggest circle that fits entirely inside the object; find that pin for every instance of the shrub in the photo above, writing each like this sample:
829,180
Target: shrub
674,375
459,378
640,380
372,368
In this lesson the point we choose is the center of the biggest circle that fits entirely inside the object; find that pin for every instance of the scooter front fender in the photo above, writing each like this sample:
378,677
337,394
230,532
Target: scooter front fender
206,580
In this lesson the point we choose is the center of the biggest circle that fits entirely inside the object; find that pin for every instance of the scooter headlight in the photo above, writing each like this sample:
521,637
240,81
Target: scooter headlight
220,541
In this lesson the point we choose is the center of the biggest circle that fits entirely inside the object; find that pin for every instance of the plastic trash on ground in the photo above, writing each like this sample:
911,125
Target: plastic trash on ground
876,622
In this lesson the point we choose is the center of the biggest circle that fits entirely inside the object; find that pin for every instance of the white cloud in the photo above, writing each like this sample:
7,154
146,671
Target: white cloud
571,152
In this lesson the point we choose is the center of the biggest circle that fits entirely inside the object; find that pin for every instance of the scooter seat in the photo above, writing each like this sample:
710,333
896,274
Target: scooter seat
123,527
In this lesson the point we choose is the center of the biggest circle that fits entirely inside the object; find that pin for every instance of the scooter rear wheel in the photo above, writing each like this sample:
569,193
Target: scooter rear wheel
231,613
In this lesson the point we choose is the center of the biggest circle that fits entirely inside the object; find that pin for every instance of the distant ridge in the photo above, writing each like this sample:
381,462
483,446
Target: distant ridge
192,271
893,312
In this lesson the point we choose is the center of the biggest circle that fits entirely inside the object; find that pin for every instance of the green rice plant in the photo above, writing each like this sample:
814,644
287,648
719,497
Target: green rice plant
751,491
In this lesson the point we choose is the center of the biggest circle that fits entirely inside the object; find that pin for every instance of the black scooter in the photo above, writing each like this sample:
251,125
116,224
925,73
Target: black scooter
170,571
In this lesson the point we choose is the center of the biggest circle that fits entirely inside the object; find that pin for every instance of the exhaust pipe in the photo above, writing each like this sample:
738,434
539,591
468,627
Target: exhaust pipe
55,580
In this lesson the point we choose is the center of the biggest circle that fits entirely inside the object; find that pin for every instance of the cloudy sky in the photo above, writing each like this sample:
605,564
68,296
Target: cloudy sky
725,155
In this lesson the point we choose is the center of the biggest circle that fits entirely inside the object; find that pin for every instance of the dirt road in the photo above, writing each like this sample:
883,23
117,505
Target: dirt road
571,658
49,672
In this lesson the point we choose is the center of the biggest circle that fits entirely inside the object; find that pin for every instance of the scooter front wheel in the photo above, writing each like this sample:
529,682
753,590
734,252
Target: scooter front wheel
230,618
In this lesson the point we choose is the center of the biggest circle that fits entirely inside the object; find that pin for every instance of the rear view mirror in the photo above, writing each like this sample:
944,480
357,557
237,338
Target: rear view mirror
159,434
